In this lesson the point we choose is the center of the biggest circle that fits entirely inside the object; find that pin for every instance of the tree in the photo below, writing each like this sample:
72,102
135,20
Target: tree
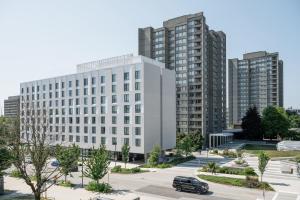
67,158
125,153
251,124
32,141
154,155
275,122
4,164
186,145
212,167
97,164
197,140
263,160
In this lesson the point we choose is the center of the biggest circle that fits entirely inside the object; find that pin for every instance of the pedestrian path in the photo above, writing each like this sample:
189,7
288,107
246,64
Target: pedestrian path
286,196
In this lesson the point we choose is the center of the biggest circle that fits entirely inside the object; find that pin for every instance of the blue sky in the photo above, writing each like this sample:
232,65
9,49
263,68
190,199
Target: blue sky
40,39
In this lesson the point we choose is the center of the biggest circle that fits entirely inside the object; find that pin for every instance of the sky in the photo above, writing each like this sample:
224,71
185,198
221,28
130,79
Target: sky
42,39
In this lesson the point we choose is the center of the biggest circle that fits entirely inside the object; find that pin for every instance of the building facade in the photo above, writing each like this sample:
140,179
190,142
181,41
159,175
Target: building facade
256,80
114,101
198,55
12,107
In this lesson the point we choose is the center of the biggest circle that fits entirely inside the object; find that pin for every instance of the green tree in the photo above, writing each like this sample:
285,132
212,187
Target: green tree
275,122
263,160
186,145
4,164
97,164
67,158
125,153
294,121
154,155
212,167
197,140
251,124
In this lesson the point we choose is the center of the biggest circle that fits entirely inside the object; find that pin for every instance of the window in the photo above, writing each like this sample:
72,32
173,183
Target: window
93,120
114,109
102,89
85,139
114,120
77,138
114,141
93,139
77,102
126,87
77,83
85,101
102,120
138,108
113,78
70,138
126,76
102,79
93,100
114,99
103,140
77,129
86,129
93,129
102,130
102,99
93,110
70,93
77,92
77,120
137,85
85,110
86,120
70,83
113,130
137,142
85,91
137,97
126,108
102,109
113,88
93,90
85,82
63,138
70,120
137,130
126,141
126,130
126,120
93,80
70,129
137,74
138,119
126,97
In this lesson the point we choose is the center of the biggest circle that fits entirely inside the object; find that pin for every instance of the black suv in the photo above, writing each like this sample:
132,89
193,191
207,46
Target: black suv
190,184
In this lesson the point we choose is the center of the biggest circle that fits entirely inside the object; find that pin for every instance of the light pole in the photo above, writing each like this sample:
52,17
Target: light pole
82,168
115,153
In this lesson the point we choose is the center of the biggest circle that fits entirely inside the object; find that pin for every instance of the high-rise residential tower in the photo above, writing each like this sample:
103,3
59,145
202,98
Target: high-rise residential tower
256,80
198,55
12,106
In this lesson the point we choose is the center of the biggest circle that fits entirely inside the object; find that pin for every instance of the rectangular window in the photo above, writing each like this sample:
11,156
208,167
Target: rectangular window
114,99
93,80
114,130
102,109
114,141
102,99
77,138
103,140
85,91
93,120
70,84
102,130
85,82
85,139
86,110
102,120
86,129
114,109
77,92
93,139
137,119
93,129
113,88
102,79
93,90
126,141
93,110
126,76
113,78
126,120
114,120
137,142
102,90
137,97
93,100
126,87
126,97
70,138
137,74
126,130
77,83
126,108
137,130
138,108
70,129
137,86
86,120
77,129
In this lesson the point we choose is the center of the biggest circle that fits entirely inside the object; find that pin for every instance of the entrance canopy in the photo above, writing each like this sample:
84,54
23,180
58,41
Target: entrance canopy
217,139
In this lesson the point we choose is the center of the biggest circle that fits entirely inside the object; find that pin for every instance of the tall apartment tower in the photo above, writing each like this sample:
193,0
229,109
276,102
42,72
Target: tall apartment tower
256,80
12,107
198,55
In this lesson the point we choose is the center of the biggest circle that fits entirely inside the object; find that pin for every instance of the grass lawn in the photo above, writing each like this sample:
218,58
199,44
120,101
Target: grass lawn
270,150
233,181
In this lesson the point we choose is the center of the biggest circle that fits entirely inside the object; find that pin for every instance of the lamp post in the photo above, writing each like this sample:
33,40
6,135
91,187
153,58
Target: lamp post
82,168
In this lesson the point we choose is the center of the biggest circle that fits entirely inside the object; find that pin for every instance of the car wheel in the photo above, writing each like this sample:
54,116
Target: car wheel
200,191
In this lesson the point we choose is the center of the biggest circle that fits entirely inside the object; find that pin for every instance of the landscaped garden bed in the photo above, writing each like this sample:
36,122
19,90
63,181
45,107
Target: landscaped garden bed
173,162
120,170
270,150
247,171
247,183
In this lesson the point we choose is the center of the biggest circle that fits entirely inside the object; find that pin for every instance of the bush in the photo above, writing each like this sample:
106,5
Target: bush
65,183
252,181
239,162
164,165
215,151
116,169
135,170
98,187
16,174
249,171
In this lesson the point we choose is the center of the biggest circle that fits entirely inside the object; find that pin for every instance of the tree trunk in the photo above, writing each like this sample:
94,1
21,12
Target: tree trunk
65,178
1,184
37,195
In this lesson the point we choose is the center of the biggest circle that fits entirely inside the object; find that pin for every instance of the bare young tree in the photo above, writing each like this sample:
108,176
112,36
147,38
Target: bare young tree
33,142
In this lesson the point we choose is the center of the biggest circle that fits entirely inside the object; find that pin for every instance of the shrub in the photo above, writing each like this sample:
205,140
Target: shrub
215,151
117,168
98,187
16,174
239,161
135,170
249,171
252,181
164,165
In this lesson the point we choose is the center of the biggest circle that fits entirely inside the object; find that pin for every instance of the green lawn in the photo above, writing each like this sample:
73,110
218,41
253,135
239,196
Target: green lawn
233,181
270,150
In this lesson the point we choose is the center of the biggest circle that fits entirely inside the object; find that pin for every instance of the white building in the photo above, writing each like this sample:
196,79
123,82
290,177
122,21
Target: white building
119,100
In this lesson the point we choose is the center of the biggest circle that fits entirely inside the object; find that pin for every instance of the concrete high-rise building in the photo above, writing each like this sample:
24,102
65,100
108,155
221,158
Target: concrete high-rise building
198,55
256,80
12,107
114,101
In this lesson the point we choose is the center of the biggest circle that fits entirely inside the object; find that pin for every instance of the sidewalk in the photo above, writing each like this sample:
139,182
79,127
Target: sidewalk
63,193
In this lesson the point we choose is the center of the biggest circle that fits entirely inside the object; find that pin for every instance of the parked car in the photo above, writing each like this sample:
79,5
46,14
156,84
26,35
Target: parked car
190,184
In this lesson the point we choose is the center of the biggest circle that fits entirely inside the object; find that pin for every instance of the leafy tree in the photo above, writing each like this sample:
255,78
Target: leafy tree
197,140
186,145
154,155
67,158
212,167
97,164
125,153
275,122
294,121
251,124
263,160
4,164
